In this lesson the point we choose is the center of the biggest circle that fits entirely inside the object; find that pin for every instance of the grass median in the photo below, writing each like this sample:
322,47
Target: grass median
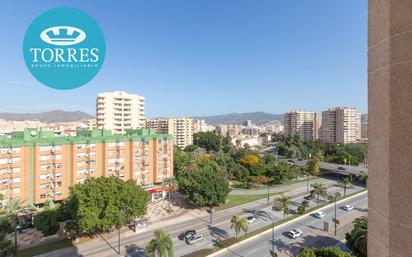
29,252
238,185
235,200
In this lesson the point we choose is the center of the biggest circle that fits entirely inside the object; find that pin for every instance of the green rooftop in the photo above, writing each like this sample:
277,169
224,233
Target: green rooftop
34,136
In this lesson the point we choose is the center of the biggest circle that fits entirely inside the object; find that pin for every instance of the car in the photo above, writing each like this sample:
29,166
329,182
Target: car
186,235
319,214
341,168
347,207
309,197
251,219
194,238
295,233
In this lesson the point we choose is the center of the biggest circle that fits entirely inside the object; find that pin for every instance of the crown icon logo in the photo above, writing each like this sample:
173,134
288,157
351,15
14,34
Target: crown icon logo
63,35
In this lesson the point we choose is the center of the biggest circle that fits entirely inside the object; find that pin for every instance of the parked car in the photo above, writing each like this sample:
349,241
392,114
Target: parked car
308,197
251,219
194,238
319,214
186,235
295,233
341,168
347,207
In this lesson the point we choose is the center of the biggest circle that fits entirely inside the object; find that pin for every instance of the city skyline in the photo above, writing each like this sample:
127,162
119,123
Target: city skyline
203,52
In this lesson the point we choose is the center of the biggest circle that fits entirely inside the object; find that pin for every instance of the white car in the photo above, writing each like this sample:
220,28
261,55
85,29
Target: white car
251,219
295,233
319,214
347,207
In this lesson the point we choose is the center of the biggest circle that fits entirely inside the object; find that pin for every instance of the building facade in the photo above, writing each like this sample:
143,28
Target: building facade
119,111
37,166
180,128
341,125
300,123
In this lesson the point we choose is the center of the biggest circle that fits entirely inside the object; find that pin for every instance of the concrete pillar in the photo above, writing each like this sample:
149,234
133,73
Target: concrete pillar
390,128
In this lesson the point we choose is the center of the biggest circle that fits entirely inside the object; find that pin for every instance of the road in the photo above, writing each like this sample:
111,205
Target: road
132,244
313,235
340,168
347,169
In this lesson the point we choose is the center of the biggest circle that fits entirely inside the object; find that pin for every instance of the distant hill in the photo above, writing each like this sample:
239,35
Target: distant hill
239,118
51,116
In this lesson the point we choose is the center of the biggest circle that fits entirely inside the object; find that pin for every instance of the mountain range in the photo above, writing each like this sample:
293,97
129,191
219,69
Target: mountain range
50,116
239,118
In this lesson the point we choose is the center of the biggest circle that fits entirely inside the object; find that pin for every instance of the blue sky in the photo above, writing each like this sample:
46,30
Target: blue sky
204,57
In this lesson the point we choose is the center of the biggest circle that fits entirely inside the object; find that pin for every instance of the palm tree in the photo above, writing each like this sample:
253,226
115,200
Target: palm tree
282,205
15,208
239,224
172,183
345,183
187,164
357,239
160,246
319,189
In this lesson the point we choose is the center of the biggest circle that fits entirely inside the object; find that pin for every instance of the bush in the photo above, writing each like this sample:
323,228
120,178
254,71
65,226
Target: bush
5,225
323,252
47,222
301,209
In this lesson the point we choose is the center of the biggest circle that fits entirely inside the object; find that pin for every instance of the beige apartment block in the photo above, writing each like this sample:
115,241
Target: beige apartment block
119,111
340,125
180,128
36,165
301,123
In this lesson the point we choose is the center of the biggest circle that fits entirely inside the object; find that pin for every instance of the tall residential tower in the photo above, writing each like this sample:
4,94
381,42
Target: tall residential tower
341,125
300,123
119,111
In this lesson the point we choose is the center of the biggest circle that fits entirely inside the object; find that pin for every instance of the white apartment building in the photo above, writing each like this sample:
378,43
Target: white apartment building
180,128
10,126
119,111
301,123
341,125
202,126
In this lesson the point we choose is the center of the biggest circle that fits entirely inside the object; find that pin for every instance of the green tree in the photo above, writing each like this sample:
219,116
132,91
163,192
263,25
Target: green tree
282,205
160,246
313,166
191,148
239,224
303,206
357,239
204,187
319,190
345,183
322,252
15,208
47,221
211,142
100,204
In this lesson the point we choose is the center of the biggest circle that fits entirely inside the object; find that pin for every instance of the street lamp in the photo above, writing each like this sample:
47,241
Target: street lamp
272,252
335,197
